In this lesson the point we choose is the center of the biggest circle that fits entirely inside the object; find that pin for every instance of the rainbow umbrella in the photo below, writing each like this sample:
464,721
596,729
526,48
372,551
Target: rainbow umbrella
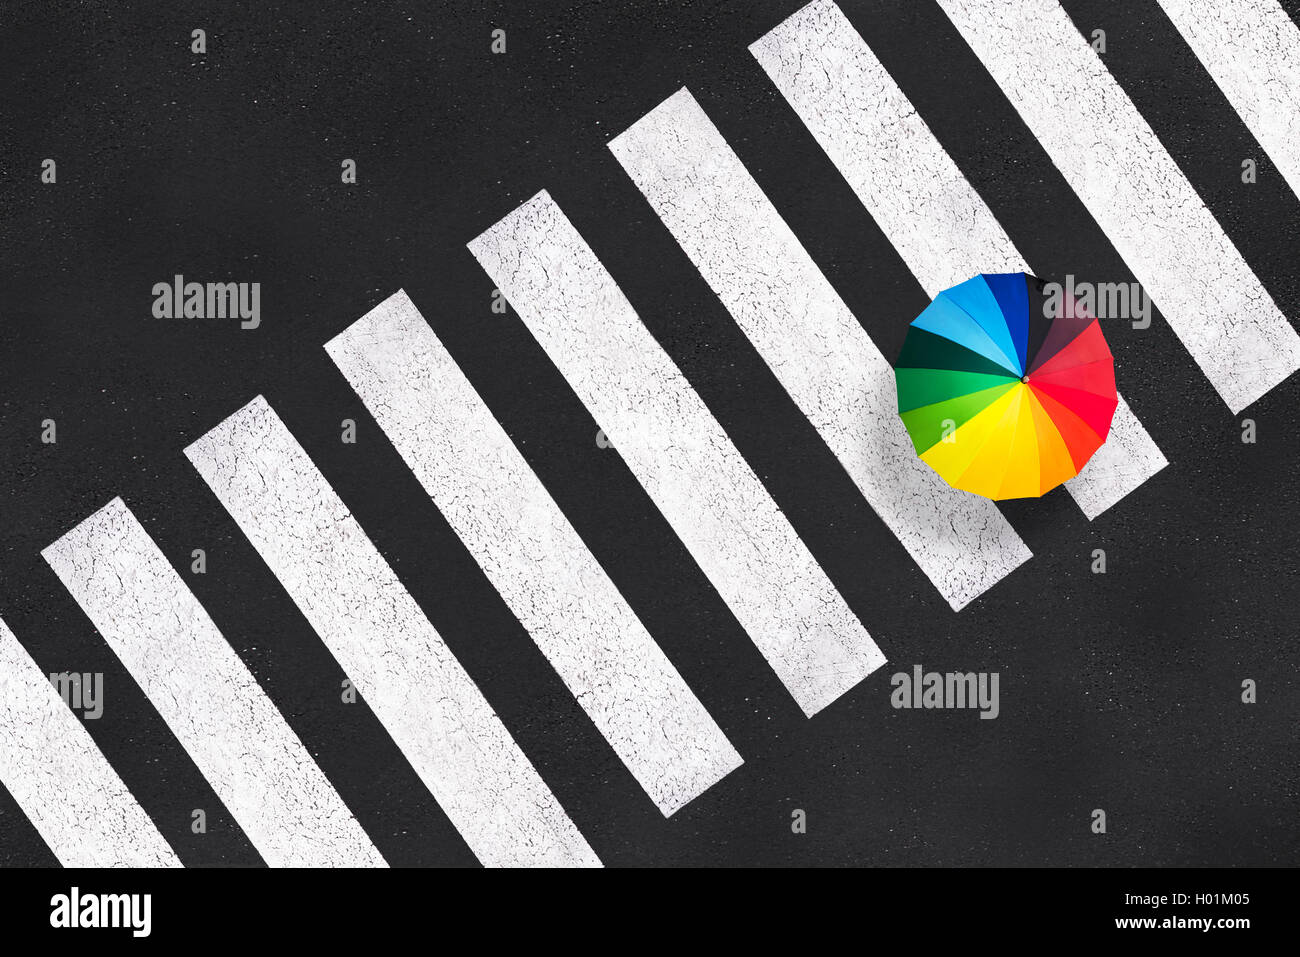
1003,395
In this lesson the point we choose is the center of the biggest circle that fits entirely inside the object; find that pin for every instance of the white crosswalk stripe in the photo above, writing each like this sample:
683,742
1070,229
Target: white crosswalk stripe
1114,161
1252,50
679,452
918,196
518,535
61,780
417,689
238,740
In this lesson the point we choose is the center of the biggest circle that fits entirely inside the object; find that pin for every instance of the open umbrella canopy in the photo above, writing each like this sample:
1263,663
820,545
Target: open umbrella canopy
1005,391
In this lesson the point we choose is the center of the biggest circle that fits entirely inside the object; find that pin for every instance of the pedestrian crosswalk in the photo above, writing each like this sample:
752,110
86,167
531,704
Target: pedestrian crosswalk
814,345
61,780
435,713
1251,49
205,693
768,577
533,556
1117,165
679,453
933,217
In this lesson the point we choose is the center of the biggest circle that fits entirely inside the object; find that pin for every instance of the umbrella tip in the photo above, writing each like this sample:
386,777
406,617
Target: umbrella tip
1024,378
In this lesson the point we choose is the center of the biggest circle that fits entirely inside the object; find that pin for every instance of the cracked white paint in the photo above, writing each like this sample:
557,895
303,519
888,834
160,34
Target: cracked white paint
1125,460
871,131
531,554
221,716
679,452
395,658
1113,160
918,196
1252,50
61,780
813,343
